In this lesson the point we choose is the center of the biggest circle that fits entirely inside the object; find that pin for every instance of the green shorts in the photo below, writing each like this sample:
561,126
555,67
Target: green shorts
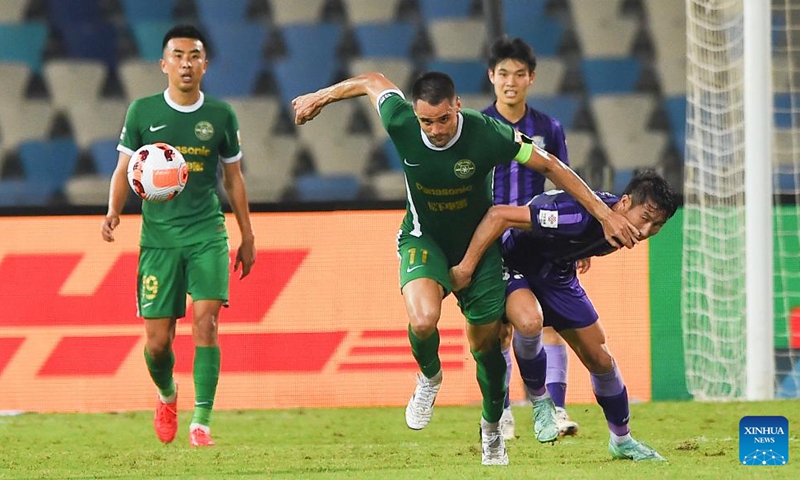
484,301
166,275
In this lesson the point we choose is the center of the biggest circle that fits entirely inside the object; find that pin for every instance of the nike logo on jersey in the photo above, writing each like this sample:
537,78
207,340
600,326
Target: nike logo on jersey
405,160
411,269
155,129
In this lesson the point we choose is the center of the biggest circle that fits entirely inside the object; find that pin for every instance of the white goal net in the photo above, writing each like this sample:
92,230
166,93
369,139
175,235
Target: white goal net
714,273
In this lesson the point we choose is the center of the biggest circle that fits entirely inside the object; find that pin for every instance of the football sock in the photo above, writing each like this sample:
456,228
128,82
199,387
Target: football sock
557,373
507,357
612,396
426,352
532,362
491,373
161,373
206,376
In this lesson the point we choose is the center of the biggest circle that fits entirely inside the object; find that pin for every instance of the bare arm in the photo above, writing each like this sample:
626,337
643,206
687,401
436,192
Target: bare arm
617,229
117,195
233,181
308,106
497,220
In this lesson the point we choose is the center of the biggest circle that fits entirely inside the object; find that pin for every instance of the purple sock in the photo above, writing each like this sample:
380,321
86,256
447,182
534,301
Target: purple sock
532,362
507,356
557,373
612,396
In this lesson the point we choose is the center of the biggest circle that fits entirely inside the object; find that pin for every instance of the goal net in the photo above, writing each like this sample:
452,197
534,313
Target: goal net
714,273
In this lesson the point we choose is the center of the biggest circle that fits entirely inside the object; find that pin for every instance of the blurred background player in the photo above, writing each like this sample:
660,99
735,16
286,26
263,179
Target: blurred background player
184,244
512,70
548,236
447,155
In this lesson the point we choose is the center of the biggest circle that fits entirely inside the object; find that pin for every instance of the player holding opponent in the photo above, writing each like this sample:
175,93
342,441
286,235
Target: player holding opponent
512,70
184,244
549,235
447,155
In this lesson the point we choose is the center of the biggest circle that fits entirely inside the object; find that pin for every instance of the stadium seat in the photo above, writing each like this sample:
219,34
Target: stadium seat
148,36
385,39
63,13
148,10
676,112
458,38
91,40
49,162
622,177
104,156
312,43
292,12
785,107
231,78
24,120
92,121
549,77
671,75
436,9
74,81
469,76
398,70
389,185
327,188
615,75
296,76
212,11
13,11
257,115
393,160
15,81
579,149
370,11
228,38
527,19
87,189
268,165
667,27
476,101
141,78
333,148
23,42
18,192
603,32
563,108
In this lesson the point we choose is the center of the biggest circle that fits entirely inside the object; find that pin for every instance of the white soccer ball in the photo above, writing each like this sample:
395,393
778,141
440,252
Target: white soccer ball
157,172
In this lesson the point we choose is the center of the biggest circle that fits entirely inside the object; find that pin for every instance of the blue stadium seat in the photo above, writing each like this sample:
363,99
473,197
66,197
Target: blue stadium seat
385,39
148,36
49,162
232,78
24,43
676,112
469,76
622,176
91,40
312,42
543,33
787,180
19,192
392,157
295,76
237,41
210,11
562,107
435,9
64,13
517,11
785,107
104,156
318,188
610,75
148,10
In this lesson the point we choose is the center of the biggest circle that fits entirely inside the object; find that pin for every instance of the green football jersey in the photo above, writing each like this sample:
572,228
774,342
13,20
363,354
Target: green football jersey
448,188
204,133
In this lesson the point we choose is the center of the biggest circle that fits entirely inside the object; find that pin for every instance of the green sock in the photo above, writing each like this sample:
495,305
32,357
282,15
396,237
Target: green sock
491,373
206,376
426,352
161,372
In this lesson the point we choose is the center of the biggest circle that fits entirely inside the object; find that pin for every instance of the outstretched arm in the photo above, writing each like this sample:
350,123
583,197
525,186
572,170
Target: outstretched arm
497,220
618,230
308,106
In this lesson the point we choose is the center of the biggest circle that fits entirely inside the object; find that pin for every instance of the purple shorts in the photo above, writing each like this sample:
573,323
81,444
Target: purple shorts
564,302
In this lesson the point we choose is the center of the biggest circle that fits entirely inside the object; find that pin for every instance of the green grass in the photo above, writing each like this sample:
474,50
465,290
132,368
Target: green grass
700,440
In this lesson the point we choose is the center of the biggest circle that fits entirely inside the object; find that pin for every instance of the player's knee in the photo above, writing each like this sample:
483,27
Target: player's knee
204,330
158,346
599,361
423,324
528,325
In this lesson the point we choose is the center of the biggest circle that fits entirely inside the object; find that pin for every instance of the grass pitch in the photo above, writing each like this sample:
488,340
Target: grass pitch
700,440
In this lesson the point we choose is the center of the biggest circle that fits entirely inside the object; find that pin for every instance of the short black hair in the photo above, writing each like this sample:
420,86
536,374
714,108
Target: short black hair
513,48
433,88
649,186
184,31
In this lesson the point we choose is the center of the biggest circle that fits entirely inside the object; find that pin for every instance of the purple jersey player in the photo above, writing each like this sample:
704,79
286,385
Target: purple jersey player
512,71
549,235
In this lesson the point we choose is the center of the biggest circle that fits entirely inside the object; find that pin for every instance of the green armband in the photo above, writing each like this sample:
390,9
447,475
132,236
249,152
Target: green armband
524,153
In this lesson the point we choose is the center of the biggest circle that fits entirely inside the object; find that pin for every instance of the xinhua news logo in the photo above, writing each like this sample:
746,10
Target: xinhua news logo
764,441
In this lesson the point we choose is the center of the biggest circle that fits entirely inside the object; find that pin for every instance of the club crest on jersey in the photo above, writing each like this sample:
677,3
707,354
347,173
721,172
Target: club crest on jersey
204,130
538,140
548,218
464,168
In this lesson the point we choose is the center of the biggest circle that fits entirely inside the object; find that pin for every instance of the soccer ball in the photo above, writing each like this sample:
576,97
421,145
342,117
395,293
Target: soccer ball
157,172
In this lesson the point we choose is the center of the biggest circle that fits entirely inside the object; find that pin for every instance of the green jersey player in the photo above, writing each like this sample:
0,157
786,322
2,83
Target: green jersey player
448,154
184,244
